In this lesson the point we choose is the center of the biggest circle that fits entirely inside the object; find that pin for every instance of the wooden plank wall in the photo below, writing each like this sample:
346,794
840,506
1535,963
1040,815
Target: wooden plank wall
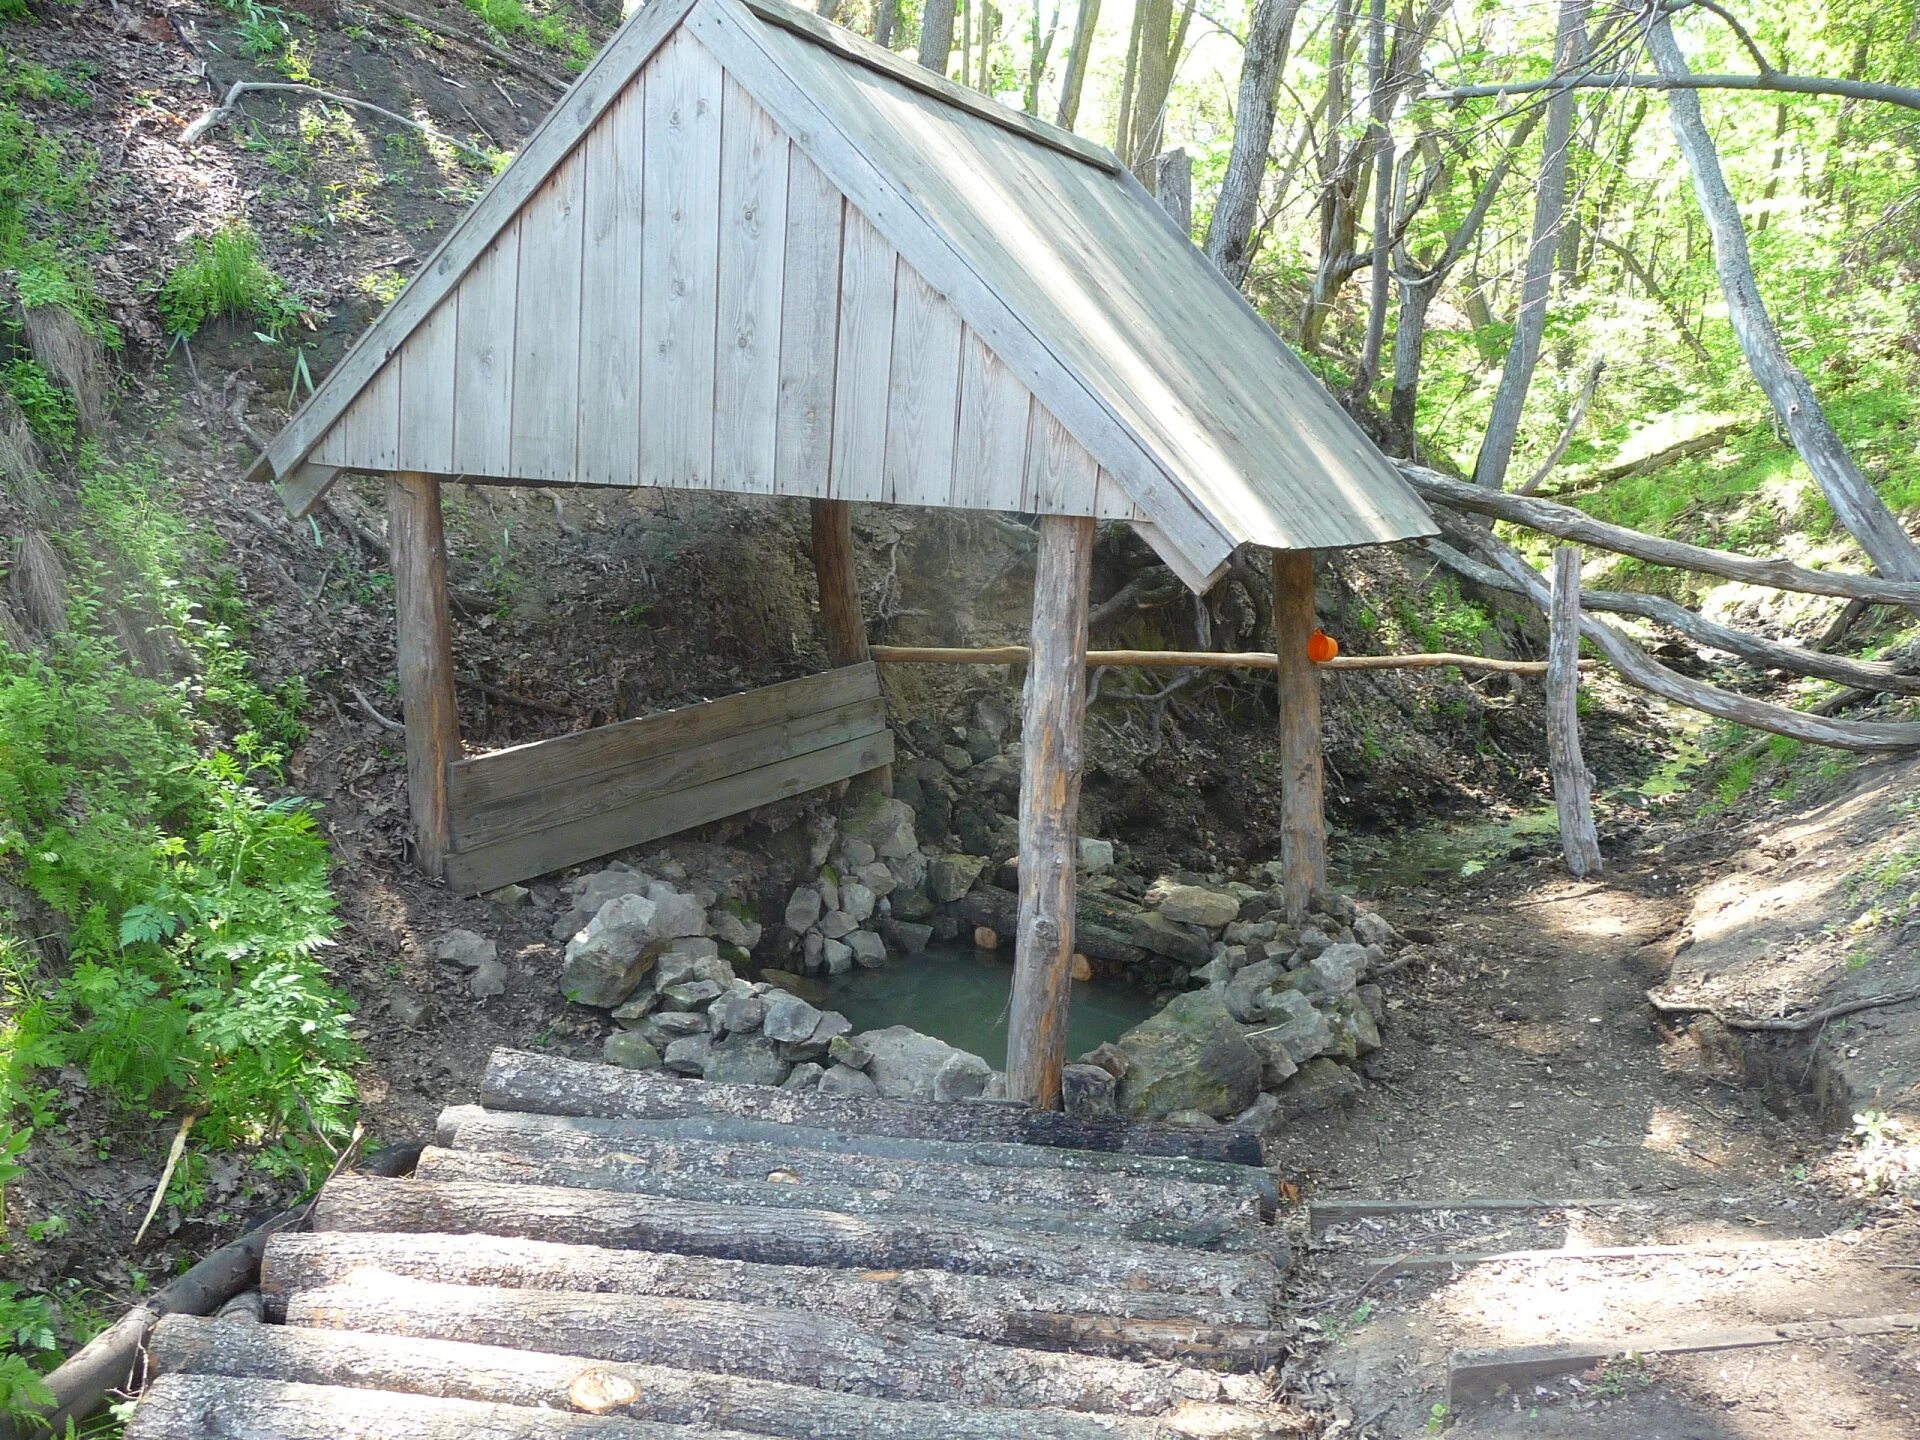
532,809
764,339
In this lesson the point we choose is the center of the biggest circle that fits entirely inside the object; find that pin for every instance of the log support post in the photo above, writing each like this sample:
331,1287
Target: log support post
1572,785
1303,826
417,540
1052,757
846,631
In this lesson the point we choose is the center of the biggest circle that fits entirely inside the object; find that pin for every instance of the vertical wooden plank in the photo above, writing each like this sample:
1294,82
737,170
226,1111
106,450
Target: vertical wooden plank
546,332
809,329
923,392
367,436
426,394
865,351
1572,785
1052,756
1303,832
1111,500
610,293
990,448
483,365
753,231
424,633
679,263
1062,477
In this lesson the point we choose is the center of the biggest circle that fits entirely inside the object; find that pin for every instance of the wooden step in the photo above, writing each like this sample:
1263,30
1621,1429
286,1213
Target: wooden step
985,1174
1192,1328
790,1346
459,1370
552,1085
633,1176
782,1237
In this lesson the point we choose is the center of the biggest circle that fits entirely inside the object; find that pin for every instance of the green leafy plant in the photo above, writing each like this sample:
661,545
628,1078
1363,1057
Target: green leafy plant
49,409
223,276
513,18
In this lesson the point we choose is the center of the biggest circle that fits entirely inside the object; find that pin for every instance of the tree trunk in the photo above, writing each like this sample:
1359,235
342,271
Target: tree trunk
1173,187
1303,826
936,35
1085,22
1549,210
1129,80
884,14
1854,500
418,544
1380,151
1230,231
1572,785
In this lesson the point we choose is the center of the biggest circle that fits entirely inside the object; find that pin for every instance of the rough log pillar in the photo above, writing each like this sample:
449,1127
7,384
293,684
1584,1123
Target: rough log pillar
418,541
1303,826
1572,785
1052,755
839,594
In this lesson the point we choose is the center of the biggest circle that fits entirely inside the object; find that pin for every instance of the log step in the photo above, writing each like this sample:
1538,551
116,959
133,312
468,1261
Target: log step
983,1174
553,1085
1193,1328
454,1369
783,1237
761,1342
630,1175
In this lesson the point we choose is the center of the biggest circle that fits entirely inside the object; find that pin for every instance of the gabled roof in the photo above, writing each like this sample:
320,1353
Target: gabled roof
1205,428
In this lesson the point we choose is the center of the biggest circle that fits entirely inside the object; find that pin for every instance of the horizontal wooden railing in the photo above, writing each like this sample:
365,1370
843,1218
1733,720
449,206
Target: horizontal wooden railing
1203,659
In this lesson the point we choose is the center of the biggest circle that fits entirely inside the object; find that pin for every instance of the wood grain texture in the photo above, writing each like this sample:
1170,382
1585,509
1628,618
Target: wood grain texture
1052,757
546,335
417,540
611,295
832,542
753,230
426,391
1572,784
486,307
809,329
864,361
1303,826
923,391
990,446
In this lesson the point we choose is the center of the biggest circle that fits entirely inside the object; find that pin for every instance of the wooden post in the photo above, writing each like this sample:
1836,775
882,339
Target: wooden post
1052,755
839,594
1572,785
1303,826
417,539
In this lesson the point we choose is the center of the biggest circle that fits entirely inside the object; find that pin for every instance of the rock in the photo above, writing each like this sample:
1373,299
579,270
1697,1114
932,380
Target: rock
828,885
1184,943
803,908
804,1076
489,978
1330,902
1295,1027
831,1027
1215,974
1375,999
813,949
509,896
1311,943
908,1065
908,871
630,1051
674,1023
406,1008
1248,932
745,1060
843,1080
1110,1059
464,948
837,956
906,936
1372,929
681,967
1194,905
951,876
1248,994
1276,1063
731,929
821,829
631,1012
688,1054
1354,1031
1259,1117
736,1014
1191,1056
1095,855
857,900
605,961
847,1050
788,1017
809,990
1189,1117
910,904
689,995
1086,1091
868,949
1320,1085
837,925
955,758
857,852
592,895
1339,968
883,822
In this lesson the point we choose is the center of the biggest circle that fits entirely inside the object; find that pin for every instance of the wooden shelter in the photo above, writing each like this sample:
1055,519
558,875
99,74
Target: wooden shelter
750,252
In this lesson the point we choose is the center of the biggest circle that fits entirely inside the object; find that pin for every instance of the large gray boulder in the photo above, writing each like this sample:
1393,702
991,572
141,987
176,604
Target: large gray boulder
1191,1056
908,1065
882,822
676,913
789,1018
1188,944
1250,993
606,960
593,892
951,876
745,1060
1295,1028
1195,905
630,1051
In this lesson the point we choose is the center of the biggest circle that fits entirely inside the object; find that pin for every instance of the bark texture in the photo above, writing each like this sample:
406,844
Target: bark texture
1230,231
1303,825
1572,785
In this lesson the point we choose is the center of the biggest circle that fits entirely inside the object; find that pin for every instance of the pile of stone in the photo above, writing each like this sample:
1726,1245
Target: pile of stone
869,896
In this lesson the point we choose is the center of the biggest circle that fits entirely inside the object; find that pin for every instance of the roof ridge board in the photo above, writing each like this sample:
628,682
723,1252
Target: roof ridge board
632,45
862,51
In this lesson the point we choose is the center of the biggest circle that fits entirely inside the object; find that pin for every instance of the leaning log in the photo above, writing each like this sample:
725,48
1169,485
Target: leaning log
979,1307
1099,1166
781,1237
1572,783
457,1370
551,1085
1093,932
556,1137
631,1176
792,1347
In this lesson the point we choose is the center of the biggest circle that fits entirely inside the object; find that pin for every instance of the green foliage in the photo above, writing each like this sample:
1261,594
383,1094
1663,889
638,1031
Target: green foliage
223,276
49,220
514,19
48,408
23,79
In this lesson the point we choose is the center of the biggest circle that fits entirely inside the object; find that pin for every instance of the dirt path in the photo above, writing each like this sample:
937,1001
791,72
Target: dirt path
1529,1066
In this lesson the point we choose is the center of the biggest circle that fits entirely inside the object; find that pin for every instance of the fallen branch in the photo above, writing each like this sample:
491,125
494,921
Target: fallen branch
240,89
1793,1026
174,1152
1774,80
507,697
374,715
461,40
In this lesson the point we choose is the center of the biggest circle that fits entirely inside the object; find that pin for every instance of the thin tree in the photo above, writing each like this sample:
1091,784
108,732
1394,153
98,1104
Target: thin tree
1085,21
1230,231
936,35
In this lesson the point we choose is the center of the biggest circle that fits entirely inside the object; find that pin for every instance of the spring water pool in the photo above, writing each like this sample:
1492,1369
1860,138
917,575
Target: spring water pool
960,994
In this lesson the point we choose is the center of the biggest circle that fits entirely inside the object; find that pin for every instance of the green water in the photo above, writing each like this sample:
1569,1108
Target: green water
960,994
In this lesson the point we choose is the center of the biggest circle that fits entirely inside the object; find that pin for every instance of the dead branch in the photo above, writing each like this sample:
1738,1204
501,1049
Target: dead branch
240,89
1792,1026
374,715
1778,81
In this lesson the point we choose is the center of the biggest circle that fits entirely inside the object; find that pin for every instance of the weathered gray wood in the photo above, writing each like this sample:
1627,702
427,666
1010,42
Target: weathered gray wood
1053,755
216,1407
426,391
1157,1174
610,292
942,1173
809,329
1061,475
983,1307
753,229
552,1085
1325,1213
417,541
628,1176
990,445
1303,822
542,443
923,390
661,1394
1572,784
487,867
863,369
485,308
780,1237
764,1343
